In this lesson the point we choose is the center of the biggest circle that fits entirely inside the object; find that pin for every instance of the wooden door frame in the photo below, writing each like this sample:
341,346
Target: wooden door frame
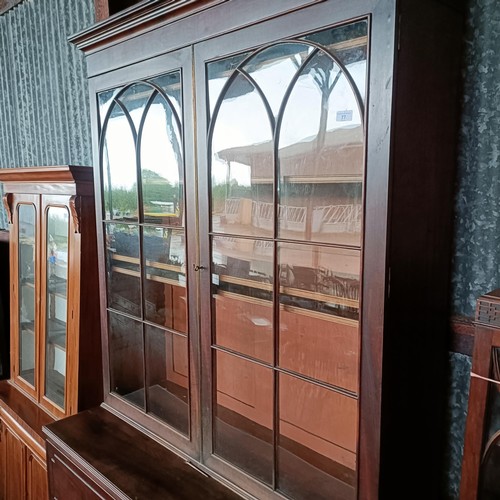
177,60
17,200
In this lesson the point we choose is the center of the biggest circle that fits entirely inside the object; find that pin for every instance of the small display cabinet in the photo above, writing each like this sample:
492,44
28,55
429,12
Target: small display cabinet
55,337
481,462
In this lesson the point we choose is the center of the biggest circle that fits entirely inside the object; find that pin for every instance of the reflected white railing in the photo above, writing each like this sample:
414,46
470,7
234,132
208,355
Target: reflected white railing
325,219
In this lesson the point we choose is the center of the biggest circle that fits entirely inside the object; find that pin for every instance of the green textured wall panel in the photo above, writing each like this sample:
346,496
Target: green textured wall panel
44,109
476,267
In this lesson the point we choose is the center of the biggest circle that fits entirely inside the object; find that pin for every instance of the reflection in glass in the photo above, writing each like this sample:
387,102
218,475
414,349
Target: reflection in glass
167,377
242,163
243,419
165,284
26,236
126,358
119,167
321,150
218,73
133,100
162,164
286,159
144,118
489,479
57,288
319,308
104,100
170,84
242,285
273,69
317,441
123,268
143,173
353,55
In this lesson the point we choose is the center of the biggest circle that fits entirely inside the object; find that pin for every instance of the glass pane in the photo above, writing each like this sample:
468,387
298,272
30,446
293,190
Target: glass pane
243,419
27,231
321,157
349,43
57,287
123,268
104,101
218,73
162,170
273,69
242,285
133,101
167,377
319,310
242,164
126,358
170,84
119,171
317,441
165,284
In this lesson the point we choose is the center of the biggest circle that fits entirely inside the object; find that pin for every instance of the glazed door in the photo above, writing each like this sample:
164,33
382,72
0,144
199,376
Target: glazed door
58,240
281,166
25,291
240,264
149,244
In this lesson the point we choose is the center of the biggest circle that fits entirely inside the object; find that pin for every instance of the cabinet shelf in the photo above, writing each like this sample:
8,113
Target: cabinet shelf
58,289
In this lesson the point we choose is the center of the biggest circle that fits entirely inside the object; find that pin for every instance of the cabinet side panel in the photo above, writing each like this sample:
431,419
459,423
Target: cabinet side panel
90,368
424,155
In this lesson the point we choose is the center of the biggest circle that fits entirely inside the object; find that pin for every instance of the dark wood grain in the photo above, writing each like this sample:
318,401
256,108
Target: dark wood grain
461,335
423,166
24,411
4,305
136,465
410,159
6,5
478,391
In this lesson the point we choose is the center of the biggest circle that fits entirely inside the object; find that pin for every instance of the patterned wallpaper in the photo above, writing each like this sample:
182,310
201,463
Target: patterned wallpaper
458,386
477,223
44,108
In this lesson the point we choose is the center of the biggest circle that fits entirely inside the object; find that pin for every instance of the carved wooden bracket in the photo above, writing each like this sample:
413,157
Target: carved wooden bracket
7,203
75,203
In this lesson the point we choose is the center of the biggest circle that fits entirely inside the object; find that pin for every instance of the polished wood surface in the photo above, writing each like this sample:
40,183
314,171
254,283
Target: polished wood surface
486,339
4,305
32,397
405,244
69,187
462,334
14,468
37,481
22,446
23,412
419,254
125,463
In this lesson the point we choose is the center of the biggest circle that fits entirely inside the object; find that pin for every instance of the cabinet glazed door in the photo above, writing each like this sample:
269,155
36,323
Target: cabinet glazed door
25,288
57,251
285,151
149,245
